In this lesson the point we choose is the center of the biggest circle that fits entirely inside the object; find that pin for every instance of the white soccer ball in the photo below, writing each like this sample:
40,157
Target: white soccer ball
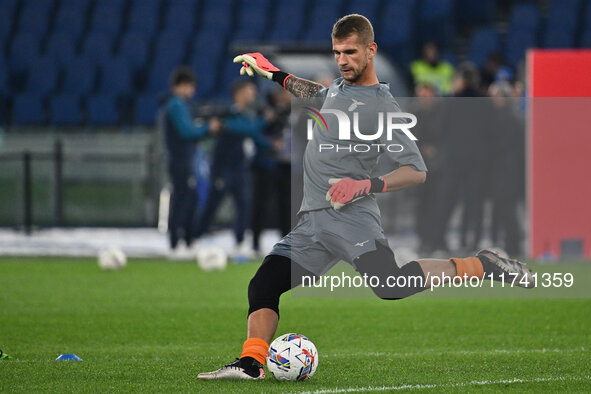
292,357
112,259
212,258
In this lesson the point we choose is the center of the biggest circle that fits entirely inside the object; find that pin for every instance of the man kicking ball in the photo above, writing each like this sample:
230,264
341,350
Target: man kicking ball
339,218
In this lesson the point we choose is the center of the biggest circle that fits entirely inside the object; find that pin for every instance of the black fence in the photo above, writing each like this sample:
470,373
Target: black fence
28,202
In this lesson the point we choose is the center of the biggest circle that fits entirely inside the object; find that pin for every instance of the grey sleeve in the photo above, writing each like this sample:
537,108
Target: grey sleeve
322,93
404,150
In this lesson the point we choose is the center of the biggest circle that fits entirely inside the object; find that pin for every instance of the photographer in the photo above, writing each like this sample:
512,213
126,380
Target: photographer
181,134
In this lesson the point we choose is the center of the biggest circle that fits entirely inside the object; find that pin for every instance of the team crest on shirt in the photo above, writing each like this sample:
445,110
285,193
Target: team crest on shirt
355,104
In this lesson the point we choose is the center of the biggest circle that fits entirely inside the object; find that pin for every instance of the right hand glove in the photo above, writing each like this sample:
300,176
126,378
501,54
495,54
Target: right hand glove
255,62
346,190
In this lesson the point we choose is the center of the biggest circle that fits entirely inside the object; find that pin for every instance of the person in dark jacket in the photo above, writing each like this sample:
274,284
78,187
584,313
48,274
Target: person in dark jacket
230,167
180,135
271,170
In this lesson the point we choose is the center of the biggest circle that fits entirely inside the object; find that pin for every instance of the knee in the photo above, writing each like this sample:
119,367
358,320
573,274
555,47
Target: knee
271,280
261,295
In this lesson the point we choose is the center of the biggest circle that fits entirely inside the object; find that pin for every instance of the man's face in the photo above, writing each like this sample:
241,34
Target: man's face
187,90
352,56
246,96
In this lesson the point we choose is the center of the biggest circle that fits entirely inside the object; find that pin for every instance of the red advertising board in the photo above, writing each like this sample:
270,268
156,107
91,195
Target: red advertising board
559,153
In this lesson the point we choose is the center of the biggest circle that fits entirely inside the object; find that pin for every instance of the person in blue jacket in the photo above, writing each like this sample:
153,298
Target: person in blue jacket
181,134
230,167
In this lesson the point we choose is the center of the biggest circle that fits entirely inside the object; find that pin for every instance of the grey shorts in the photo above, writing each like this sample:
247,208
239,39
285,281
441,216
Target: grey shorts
323,237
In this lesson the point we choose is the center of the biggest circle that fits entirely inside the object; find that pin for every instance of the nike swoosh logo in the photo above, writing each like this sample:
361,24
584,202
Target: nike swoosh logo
362,243
333,94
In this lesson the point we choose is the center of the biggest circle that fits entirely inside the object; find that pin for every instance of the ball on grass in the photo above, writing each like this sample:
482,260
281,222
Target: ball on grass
112,259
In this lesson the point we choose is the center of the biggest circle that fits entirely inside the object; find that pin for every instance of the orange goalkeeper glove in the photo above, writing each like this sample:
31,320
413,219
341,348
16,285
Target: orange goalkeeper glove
256,62
347,190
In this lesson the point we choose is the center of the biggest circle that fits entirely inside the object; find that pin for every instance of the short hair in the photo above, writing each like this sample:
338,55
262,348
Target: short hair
182,75
351,24
240,84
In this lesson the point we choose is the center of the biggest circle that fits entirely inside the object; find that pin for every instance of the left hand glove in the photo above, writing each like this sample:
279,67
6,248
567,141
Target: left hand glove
346,190
257,62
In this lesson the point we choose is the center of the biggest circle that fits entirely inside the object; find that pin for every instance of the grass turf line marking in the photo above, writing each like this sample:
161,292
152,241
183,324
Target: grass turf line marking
458,352
447,385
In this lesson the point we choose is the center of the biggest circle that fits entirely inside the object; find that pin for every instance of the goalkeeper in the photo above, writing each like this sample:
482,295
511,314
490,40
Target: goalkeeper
339,218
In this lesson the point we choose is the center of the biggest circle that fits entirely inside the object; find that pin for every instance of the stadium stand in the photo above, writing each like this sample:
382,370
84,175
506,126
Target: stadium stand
65,109
74,50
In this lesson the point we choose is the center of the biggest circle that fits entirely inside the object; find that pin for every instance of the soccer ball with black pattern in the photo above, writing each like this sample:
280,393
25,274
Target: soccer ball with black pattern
292,357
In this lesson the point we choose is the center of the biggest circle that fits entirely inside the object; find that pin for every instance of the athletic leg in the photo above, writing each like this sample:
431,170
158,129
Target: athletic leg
276,275
420,274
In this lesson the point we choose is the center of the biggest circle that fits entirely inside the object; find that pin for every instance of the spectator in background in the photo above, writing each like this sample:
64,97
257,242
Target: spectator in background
507,178
429,130
230,167
494,62
464,147
272,171
180,134
431,70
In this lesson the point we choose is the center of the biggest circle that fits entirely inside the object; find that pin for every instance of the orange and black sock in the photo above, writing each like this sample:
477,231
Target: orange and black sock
256,348
468,266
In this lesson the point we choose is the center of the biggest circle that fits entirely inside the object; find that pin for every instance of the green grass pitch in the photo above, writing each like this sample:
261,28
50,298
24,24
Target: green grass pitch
154,325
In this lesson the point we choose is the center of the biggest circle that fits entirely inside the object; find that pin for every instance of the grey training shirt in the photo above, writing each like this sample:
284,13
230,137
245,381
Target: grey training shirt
326,156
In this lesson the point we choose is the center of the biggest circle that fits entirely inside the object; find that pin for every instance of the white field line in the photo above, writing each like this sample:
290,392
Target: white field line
455,352
448,385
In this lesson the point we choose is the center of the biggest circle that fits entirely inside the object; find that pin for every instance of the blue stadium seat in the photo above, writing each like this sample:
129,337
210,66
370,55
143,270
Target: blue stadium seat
145,109
24,49
8,7
587,16
367,8
215,17
70,21
102,110
116,4
76,5
44,6
585,41
183,3
61,47
559,38
33,20
171,45
288,20
42,77
106,19
436,21
396,34
116,77
253,18
28,109
143,20
518,41
204,59
65,109
180,19
483,42
6,22
4,89
159,75
524,17
97,47
252,25
323,16
472,13
135,47
79,77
